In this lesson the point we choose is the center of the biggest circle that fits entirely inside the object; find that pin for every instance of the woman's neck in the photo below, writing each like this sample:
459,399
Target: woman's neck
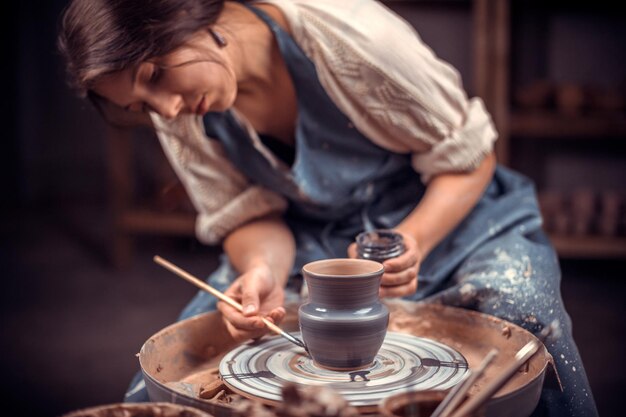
262,75
251,48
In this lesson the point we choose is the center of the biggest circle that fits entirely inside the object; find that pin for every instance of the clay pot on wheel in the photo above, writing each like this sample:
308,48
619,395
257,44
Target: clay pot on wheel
343,323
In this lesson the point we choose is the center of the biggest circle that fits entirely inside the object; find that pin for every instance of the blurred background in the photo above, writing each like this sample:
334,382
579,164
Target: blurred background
85,207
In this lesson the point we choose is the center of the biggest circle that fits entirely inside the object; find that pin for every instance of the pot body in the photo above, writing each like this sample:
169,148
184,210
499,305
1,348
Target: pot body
343,323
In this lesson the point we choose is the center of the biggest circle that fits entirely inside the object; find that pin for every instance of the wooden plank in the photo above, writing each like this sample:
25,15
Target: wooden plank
500,62
589,247
554,125
147,221
120,191
491,65
481,43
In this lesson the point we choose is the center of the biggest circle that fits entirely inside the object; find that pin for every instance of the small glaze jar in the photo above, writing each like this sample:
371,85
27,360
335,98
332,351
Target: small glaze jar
343,323
379,245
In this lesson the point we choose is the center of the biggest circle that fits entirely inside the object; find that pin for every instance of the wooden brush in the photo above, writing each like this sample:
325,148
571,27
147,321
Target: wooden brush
223,297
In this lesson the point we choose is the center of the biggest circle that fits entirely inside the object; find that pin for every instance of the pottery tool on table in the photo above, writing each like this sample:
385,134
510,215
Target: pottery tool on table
521,357
458,393
223,297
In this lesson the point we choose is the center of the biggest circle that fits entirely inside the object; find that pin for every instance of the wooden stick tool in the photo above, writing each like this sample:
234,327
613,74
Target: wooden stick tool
223,297
521,357
458,393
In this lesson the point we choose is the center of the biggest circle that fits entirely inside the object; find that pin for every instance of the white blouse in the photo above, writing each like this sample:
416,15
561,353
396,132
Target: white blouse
376,69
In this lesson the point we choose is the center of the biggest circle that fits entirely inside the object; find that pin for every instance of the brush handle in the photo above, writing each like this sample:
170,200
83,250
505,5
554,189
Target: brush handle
223,297
197,282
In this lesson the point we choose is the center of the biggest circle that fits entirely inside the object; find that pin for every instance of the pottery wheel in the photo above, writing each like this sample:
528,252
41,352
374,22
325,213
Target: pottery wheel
404,362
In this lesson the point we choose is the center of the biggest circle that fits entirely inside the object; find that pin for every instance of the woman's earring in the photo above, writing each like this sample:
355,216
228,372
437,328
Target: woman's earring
219,39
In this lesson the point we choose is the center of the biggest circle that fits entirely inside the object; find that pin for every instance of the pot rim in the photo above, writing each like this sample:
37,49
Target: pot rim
373,264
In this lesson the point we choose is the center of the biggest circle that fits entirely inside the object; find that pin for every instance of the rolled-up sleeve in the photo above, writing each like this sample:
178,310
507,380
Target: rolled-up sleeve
463,148
222,196
394,88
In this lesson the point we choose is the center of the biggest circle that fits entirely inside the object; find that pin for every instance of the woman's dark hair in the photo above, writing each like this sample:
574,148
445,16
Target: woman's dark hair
99,37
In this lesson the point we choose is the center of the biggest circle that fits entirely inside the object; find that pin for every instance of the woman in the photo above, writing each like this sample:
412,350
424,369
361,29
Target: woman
295,125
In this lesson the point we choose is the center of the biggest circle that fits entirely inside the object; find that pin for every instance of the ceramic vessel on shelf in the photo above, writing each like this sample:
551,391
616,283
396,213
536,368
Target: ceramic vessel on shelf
379,244
343,323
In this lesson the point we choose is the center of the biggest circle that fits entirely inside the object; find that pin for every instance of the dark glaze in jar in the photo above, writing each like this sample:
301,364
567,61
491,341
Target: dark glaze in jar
379,245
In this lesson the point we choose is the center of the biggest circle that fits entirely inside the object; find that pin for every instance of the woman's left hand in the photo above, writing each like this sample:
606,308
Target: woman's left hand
400,277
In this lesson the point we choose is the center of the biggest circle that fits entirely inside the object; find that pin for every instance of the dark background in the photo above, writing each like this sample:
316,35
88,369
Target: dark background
72,322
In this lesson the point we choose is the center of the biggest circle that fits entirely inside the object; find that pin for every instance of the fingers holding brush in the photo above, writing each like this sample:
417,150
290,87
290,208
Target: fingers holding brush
259,296
243,328
254,322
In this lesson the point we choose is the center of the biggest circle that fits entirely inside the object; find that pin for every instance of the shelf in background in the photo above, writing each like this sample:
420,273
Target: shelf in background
555,125
145,221
589,247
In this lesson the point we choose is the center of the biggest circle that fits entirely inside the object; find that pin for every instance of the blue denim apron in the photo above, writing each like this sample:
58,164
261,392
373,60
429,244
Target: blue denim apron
497,261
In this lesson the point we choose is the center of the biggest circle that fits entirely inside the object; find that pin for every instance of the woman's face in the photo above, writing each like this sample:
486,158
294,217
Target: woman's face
195,78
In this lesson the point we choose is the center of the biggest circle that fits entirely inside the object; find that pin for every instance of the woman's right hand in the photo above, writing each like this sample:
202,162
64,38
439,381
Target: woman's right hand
261,295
